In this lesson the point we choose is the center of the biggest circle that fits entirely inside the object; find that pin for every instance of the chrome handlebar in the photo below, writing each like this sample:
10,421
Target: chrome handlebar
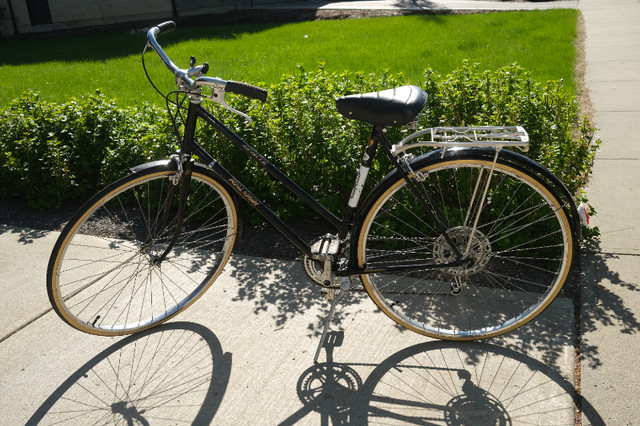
191,80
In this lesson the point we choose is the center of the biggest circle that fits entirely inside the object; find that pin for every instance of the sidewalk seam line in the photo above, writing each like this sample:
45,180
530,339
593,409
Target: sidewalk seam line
25,324
610,253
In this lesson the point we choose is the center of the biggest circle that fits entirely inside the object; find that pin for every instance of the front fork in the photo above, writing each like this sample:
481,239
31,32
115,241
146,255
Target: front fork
182,181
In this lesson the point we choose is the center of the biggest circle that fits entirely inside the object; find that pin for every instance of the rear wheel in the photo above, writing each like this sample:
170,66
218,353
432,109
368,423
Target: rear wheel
104,276
519,254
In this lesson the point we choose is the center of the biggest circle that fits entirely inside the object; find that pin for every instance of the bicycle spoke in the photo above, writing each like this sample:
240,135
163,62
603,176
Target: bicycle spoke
107,274
517,253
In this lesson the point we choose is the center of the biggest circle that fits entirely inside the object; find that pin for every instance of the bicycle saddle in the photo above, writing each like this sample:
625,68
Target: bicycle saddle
393,107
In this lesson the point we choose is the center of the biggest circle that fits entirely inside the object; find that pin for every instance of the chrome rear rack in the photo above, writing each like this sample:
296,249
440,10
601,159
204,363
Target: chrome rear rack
450,137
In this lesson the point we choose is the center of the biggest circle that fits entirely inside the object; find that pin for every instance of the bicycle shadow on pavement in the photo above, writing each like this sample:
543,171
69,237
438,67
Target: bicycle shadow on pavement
175,372
438,382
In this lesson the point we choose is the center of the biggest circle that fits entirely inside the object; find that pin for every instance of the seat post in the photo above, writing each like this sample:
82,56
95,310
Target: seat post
361,178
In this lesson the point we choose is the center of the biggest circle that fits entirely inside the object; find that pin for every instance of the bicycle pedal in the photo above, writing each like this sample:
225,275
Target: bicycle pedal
325,247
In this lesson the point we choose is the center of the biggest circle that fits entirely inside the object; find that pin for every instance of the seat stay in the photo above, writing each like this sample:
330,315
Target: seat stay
418,190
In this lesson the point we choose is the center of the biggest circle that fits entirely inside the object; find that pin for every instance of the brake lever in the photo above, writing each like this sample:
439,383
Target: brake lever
218,96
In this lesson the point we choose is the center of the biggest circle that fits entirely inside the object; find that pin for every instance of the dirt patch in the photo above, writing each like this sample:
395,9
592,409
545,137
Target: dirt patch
255,240
586,106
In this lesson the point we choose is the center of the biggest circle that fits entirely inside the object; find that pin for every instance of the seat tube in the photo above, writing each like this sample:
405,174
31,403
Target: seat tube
361,178
363,172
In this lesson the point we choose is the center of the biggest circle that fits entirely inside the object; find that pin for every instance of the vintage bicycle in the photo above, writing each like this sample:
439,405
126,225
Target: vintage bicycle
466,241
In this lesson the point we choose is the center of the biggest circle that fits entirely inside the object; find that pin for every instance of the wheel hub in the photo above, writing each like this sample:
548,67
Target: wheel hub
478,255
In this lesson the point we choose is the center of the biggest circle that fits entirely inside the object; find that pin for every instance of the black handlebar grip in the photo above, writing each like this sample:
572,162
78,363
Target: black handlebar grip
166,27
247,90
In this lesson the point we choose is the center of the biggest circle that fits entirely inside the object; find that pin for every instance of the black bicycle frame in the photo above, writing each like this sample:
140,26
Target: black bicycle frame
342,227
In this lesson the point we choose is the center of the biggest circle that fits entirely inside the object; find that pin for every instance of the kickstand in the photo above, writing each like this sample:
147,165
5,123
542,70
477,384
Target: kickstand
345,284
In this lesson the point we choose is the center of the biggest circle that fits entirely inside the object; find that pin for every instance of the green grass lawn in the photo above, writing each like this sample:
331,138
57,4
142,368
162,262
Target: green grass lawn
61,68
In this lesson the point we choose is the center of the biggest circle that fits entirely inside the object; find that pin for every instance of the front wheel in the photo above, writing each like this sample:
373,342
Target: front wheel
104,274
519,249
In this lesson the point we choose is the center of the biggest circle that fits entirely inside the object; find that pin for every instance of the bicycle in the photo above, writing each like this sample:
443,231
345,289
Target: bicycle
467,241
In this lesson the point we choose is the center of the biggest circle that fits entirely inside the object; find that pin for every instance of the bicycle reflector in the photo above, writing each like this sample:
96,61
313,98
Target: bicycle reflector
582,212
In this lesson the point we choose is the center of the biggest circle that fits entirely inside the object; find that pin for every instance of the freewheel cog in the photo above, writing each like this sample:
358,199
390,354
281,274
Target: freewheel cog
479,251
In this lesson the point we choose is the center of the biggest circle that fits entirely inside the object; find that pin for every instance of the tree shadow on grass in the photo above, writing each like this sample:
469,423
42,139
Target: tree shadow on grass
105,42
114,41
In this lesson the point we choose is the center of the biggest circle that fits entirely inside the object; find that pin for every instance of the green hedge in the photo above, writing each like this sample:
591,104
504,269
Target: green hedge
55,153
52,153
561,140
301,132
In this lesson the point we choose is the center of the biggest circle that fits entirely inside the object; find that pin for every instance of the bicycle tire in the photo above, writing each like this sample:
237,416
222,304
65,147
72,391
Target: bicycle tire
521,252
103,277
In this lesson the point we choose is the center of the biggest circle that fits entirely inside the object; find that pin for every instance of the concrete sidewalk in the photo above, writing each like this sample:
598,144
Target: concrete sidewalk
243,353
611,271
437,6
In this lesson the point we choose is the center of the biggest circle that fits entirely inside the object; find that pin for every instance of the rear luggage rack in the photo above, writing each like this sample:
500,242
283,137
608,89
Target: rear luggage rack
450,137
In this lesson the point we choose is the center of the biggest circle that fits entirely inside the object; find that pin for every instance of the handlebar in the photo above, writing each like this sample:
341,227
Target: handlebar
248,90
165,27
185,77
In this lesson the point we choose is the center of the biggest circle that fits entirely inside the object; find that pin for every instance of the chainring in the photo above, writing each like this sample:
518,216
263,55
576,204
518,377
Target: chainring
314,270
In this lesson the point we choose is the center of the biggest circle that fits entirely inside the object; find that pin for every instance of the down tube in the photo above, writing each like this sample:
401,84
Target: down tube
260,207
271,169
